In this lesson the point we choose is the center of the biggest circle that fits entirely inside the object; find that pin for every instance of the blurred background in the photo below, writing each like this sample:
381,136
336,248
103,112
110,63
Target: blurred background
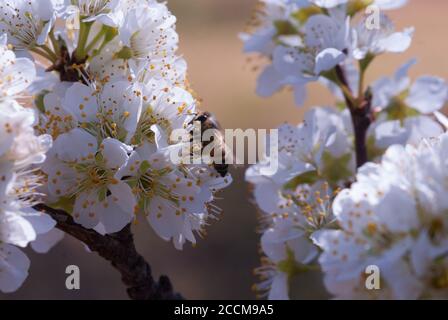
220,266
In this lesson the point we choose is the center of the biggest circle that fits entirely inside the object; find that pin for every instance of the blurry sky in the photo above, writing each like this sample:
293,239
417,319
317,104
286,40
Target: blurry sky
221,265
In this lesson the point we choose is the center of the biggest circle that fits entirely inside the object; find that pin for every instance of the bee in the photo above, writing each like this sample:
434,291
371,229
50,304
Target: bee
209,122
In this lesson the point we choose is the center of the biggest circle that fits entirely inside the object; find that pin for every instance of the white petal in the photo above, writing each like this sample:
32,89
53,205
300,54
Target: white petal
269,82
80,100
397,42
14,265
115,153
428,94
328,59
113,218
85,210
15,229
44,242
279,287
17,77
124,197
41,222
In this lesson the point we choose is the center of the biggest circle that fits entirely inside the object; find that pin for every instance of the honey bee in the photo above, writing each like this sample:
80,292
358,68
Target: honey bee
209,122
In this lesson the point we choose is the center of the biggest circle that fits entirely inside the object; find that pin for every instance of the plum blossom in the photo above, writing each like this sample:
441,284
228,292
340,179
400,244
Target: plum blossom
79,168
405,108
109,90
325,43
94,10
306,40
139,53
176,200
390,213
392,217
286,243
296,200
16,73
21,150
28,23
111,112
384,39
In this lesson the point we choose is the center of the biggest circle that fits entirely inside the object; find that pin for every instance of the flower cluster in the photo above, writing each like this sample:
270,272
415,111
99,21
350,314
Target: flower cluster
20,151
108,89
315,159
381,217
393,217
305,39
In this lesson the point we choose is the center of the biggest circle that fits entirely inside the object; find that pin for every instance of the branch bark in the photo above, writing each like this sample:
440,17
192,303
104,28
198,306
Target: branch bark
362,119
361,114
119,249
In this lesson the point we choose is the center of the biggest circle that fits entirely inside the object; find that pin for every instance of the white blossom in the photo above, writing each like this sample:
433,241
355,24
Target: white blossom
379,40
27,23
406,108
382,4
20,151
175,199
295,201
392,217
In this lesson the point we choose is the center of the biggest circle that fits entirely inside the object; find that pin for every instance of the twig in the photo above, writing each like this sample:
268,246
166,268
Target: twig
119,249
361,114
362,119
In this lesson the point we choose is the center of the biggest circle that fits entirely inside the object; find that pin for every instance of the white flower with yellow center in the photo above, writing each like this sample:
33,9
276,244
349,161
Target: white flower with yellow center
94,10
175,199
112,110
20,151
27,23
377,41
145,47
169,107
287,244
16,74
393,217
82,173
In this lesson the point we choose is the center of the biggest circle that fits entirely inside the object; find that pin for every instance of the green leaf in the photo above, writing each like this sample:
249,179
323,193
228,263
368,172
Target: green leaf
336,169
309,177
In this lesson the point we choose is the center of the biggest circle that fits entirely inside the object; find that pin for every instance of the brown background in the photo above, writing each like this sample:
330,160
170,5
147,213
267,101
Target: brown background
220,267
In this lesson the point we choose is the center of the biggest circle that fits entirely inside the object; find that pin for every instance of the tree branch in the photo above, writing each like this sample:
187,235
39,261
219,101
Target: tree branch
362,119
119,249
361,114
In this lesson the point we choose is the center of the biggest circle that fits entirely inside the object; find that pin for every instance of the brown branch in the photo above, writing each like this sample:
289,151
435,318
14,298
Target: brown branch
119,249
362,119
361,114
